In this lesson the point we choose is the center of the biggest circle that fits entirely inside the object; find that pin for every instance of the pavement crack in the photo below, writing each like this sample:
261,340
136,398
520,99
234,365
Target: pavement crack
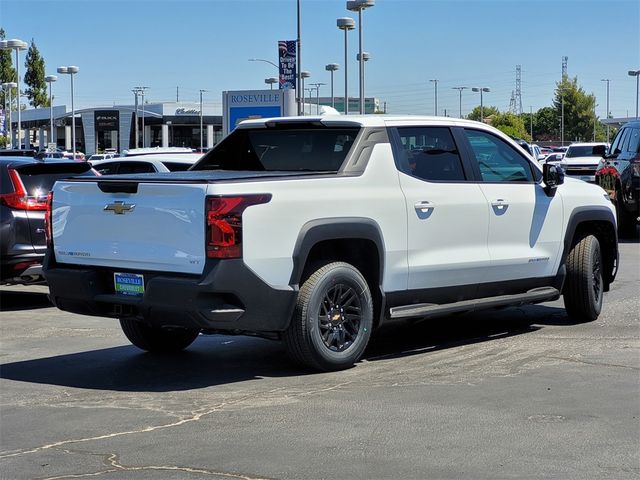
599,364
194,416
111,460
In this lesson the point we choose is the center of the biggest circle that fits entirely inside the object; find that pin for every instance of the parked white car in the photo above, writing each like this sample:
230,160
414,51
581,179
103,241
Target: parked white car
581,160
161,163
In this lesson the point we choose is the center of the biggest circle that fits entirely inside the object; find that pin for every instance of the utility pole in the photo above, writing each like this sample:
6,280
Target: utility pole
317,88
531,121
140,91
201,132
135,119
460,90
435,83
177,95
607,115
299,66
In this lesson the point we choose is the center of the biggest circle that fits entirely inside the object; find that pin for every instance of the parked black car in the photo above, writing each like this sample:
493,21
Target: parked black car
618,173
24,186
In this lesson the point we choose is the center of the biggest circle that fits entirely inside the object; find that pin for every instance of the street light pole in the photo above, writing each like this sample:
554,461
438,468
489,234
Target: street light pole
135,119
270,81
317,87
50,79
359,6
71,70
365,58
531,121
265,61
346,24
562,121
17,45
201,126
141,90
332,67
632,73
435,83
481,90
460,89
303,75
607,115
8,86
299,63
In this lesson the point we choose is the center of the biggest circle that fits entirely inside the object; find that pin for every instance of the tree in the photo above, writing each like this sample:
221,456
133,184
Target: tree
7,72
487,112
546,124
579,113
34,78
511,124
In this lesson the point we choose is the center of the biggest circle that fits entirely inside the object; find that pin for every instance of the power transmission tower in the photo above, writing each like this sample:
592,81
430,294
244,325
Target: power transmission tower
512,102
515,104
518,98
565,59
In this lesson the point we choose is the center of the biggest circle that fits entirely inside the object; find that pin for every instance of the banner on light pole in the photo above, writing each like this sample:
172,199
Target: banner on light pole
287,60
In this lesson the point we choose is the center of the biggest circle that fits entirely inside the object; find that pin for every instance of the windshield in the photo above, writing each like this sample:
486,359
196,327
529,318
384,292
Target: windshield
581,151
310,149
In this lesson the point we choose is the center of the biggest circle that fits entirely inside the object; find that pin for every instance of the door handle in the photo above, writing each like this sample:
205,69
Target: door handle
500,203
424,206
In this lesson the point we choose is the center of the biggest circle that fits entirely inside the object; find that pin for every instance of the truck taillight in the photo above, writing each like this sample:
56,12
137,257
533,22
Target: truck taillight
224,223
48,227
19,199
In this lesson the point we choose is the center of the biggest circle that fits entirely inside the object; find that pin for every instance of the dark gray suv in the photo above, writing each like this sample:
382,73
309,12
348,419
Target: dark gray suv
24,185
619,174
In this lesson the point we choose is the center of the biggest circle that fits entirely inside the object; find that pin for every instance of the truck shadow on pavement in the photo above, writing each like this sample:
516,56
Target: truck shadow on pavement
14,301
422,337
218,360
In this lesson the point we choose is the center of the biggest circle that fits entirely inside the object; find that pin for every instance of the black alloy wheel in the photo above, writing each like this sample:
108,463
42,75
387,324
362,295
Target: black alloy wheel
332,321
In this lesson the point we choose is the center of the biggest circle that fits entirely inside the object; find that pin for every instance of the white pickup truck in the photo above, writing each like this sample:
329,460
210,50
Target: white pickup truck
317,230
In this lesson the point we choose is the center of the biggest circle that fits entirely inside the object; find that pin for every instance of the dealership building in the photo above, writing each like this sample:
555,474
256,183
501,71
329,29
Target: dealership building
165,124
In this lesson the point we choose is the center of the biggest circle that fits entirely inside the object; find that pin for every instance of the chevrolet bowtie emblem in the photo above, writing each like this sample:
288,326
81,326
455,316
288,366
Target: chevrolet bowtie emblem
119,208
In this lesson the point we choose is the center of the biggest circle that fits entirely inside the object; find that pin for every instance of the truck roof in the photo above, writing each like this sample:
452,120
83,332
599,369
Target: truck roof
359,120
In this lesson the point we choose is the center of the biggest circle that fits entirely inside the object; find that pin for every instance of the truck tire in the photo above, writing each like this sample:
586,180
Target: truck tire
583,288
157,340
332,321
626,221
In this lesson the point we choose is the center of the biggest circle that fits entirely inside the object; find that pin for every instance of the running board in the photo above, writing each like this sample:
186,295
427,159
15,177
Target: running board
426,310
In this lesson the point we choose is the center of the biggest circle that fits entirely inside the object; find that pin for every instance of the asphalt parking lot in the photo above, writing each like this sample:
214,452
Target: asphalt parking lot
518,393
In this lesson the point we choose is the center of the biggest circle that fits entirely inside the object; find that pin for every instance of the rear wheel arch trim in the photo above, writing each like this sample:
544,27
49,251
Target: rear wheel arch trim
316,231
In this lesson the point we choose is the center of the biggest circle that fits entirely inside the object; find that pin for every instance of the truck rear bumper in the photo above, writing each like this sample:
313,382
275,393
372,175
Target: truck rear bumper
227,297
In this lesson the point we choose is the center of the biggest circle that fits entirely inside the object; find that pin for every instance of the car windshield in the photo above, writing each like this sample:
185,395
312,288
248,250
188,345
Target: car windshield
581,151
300,148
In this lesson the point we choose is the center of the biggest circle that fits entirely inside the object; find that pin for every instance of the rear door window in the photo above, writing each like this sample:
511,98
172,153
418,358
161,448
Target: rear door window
429,153
620,140
634,140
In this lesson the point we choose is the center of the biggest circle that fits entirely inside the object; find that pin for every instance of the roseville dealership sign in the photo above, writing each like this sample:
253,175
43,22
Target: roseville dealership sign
247,104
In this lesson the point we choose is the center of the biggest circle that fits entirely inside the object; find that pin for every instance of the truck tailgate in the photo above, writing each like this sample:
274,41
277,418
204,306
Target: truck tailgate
157,226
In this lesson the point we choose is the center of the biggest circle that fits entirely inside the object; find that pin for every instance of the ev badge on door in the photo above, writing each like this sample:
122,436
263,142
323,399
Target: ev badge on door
119,208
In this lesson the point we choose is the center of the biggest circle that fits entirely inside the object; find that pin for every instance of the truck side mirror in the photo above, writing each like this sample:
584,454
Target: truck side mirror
552,176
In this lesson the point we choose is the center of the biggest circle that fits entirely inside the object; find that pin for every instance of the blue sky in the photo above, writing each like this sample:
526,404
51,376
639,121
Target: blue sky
206,44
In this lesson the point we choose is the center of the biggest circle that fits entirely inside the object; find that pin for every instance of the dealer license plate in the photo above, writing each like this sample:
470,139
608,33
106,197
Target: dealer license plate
130,284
